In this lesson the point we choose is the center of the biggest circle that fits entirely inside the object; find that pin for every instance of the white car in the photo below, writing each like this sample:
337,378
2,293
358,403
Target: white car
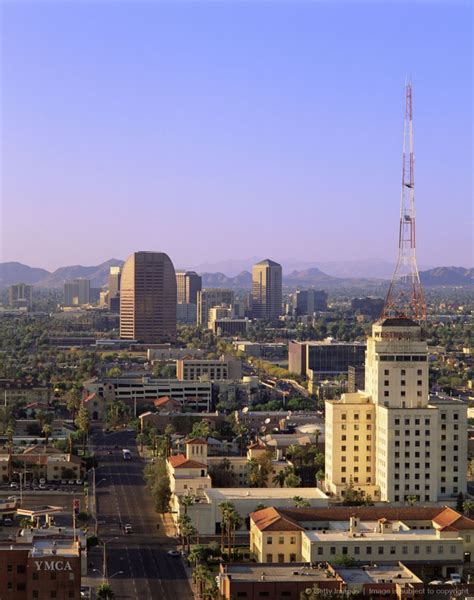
455,578
13,485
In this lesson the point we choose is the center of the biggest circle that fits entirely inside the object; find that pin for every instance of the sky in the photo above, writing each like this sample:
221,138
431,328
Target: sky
212,130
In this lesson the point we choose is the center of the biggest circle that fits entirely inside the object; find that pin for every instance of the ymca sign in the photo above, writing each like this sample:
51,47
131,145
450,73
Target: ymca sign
53,565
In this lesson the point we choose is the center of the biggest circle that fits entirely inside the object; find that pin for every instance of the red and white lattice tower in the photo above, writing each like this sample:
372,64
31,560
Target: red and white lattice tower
405,298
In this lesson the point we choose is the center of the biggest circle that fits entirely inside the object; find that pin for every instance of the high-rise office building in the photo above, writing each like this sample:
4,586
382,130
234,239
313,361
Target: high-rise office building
188,283
267,290
148,298
307,302
20,295
77,292
210,297
115,276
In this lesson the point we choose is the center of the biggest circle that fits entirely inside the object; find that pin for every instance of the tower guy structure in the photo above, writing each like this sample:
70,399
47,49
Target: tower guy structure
394,440
405,296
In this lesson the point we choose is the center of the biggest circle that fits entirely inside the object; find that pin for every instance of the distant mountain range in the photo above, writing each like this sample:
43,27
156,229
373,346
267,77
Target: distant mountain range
15,272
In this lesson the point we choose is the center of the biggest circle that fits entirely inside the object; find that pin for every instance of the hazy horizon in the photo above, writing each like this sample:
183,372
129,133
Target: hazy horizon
213,130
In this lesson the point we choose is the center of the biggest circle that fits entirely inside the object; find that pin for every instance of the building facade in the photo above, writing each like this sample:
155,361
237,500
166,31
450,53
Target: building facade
210,297
393,440
20,295
326,358
77,292
213,369
188,284
307,302
267,295
148,298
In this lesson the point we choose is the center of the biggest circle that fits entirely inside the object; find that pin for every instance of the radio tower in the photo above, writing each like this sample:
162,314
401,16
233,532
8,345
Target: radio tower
405,298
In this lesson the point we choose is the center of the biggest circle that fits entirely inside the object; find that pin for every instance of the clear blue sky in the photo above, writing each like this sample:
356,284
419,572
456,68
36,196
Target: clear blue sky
212,130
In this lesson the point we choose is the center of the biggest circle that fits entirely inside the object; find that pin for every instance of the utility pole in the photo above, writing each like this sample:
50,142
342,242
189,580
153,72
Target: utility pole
405,298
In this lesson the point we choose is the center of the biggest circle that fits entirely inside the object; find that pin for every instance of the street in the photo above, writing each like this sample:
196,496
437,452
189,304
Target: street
122,498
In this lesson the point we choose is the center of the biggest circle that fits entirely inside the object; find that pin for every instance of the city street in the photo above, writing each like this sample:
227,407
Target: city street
122,498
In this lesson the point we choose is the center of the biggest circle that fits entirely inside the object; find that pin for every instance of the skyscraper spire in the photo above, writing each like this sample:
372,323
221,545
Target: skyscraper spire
405,296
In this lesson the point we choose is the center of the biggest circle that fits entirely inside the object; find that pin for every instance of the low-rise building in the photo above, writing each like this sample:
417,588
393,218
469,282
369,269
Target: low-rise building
40,569
226,367
14,392
431,536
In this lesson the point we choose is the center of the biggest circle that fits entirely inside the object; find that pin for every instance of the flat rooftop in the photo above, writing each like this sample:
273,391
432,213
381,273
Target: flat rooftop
380,574
419,535
274,494
272,572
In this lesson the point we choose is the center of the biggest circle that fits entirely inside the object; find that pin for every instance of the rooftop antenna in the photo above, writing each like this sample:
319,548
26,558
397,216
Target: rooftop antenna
405,298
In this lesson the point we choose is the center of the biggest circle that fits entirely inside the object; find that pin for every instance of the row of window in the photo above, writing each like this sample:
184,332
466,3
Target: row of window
403,358
403,372
380,550
281,540
280,558
21,587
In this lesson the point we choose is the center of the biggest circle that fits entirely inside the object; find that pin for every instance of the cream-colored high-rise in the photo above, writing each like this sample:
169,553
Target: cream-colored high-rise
148,298
394,439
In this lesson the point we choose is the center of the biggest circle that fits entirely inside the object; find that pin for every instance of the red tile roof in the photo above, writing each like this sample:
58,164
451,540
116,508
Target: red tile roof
179,461
269,519
196,441
443,517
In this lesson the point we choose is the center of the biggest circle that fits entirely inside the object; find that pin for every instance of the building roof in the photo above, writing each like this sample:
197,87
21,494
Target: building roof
442,516
163,401
398,322
270,519
179,461
197,441
267,263
451,518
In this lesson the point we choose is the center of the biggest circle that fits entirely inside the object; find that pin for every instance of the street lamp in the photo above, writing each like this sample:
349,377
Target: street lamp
20,475
111,577
104,563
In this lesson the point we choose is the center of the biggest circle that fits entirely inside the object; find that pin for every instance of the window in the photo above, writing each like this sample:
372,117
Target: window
386,372
386,382
386,394
403,372
9,568
269,558
332,550
281,540
357,549
21,568
417,549
281,558
392,549
397,421
343,417
21,587
343,448
9,585
292,540
440,549
404,549
320,550
269,541
369,549
403,394
53,575
381,550
292,558
452,549
35,575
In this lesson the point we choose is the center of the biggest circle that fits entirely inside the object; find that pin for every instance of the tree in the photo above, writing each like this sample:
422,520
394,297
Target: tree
225,507
460,502
73,401
468,507
82,423
411,500
292,480
201,574
47,430
156,476
105,591
300,502
222,474
320,477
201,429
279,478
187,500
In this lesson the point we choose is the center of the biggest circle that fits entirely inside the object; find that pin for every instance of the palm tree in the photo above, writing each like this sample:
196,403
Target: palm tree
47,430
105,591
292,480
279,478
235,522
225,507
320,477
201,575
300,502
468,507
317,433
187,500
82,423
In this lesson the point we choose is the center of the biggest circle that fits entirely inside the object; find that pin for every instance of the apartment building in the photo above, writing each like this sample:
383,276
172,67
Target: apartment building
394,440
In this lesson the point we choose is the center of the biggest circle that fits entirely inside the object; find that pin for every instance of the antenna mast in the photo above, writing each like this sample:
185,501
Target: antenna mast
405,298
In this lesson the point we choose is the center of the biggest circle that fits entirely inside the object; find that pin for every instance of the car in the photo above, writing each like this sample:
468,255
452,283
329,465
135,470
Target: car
7,521
455,578
13,485
79,482
13,498
174,553
63,481
71,482
127,528
42,480
85,592
436,582
42,486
